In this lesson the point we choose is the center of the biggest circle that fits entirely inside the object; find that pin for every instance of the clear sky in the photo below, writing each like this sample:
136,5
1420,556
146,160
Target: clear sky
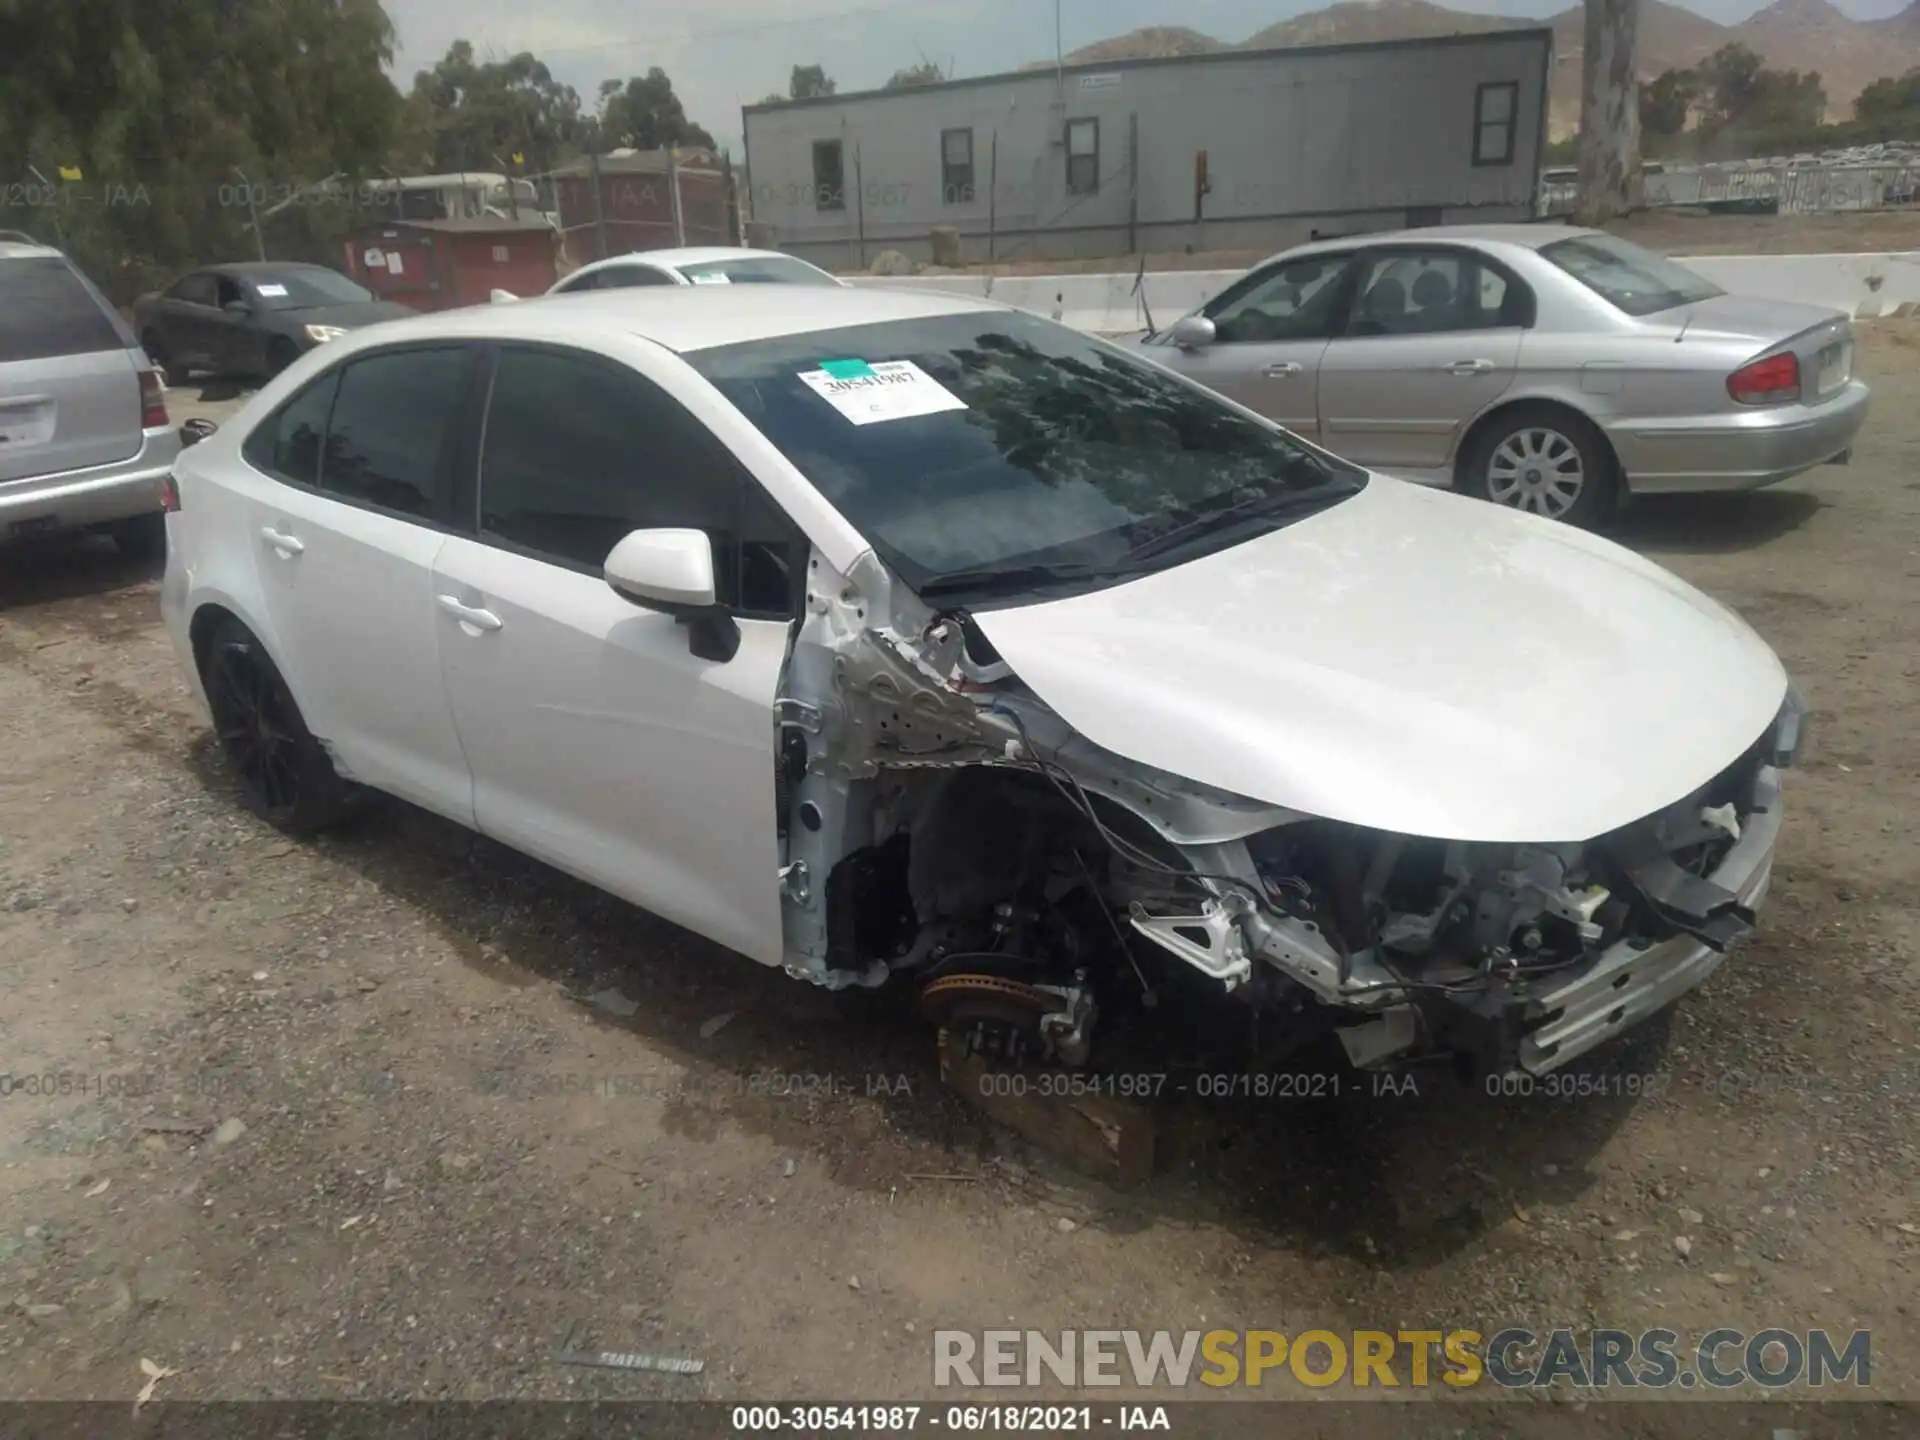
726,53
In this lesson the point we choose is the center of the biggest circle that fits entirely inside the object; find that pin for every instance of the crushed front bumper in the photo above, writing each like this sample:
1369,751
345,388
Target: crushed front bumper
1630,980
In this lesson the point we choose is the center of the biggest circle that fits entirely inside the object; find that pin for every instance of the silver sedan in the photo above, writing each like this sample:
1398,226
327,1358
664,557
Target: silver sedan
1544,367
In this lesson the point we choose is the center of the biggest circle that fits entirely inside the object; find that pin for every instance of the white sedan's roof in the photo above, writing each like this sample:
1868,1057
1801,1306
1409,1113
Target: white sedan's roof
689,318
691,255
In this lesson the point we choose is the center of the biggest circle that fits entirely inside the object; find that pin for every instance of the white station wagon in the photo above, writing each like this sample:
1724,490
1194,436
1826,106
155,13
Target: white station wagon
899,638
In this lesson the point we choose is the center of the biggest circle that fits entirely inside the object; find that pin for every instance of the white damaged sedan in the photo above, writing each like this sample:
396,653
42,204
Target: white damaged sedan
894,638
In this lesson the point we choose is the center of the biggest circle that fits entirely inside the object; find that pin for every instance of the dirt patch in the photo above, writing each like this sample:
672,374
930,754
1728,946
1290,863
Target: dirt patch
446,1153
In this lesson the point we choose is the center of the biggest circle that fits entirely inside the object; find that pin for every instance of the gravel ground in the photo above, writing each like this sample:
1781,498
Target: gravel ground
341,1119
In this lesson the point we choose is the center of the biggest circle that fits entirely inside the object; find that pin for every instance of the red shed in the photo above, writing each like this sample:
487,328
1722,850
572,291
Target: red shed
442,264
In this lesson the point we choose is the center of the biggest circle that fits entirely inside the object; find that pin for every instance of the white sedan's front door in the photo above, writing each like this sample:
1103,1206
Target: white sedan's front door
600,743
597,740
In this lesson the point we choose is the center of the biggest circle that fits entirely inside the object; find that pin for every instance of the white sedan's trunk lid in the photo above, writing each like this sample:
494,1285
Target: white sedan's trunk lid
1415,662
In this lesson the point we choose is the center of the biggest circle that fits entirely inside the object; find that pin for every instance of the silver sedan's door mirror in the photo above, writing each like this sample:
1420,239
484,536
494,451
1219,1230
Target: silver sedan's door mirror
1194,332
672,571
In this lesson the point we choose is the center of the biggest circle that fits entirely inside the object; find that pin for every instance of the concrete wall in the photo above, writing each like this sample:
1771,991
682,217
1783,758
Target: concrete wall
1863,286
1299,142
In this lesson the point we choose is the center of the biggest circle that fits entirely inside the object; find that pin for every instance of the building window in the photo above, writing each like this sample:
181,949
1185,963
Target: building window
1496,107
829,176
1083,157
956,166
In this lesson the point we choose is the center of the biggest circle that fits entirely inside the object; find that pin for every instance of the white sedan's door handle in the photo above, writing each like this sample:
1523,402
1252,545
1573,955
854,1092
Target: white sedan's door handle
1282,370
1470,367
288,545
467,615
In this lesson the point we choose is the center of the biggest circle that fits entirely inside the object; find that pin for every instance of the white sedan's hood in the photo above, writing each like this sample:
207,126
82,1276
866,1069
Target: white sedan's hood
1415,662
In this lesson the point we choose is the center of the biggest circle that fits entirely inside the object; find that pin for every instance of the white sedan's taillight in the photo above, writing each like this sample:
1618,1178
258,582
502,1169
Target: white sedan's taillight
1772,381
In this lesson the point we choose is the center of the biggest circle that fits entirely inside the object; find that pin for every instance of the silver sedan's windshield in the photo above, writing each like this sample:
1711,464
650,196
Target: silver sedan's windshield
995,455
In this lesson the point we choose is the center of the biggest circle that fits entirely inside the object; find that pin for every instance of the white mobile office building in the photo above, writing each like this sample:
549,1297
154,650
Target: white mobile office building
1240,148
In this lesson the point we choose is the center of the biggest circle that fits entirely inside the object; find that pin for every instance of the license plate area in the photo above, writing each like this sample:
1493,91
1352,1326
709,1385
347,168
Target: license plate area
1833,367
26,423
38,525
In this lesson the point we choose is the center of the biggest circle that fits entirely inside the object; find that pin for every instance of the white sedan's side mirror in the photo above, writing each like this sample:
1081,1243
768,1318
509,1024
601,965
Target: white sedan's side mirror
1193,332
501,297
672,571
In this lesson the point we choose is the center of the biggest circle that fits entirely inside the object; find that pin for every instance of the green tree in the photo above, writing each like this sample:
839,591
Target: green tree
474,116
1666,102
1729,80
642,111
1889,98
809,82
925,73
159,107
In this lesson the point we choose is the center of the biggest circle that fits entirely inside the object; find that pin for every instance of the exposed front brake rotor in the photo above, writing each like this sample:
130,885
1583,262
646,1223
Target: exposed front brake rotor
994,1017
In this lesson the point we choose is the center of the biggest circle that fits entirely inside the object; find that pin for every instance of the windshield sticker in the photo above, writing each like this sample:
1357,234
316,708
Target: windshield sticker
891,390
715,278
271,289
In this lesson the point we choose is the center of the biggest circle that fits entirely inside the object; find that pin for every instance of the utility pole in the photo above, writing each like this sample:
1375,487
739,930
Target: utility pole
599,215
1610,181
253,214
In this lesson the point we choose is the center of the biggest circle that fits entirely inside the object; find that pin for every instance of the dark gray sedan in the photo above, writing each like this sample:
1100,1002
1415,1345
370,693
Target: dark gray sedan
251,320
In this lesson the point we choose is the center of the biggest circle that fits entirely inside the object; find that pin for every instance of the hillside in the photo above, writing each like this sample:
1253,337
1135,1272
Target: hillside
1355,21
1151,43
1788,35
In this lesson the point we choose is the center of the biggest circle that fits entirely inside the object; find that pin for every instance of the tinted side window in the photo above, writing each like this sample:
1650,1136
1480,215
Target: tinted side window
623,276
288,444
1430,292
47,310
1293,300
195,290
578,452
387,444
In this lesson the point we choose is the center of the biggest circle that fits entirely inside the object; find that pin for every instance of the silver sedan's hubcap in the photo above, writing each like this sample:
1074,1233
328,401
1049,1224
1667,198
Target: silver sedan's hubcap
1536,469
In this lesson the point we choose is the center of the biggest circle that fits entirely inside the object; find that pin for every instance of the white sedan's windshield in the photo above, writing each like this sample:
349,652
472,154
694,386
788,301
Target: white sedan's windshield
756,270
975,451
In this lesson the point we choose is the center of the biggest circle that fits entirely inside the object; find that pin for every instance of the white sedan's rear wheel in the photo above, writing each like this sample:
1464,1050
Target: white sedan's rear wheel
1547,462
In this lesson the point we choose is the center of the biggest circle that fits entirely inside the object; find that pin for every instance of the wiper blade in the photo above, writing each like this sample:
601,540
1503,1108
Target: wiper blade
1260,507
1014,577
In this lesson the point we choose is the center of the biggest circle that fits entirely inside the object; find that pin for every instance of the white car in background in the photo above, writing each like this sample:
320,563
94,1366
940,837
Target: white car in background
893,637
706,265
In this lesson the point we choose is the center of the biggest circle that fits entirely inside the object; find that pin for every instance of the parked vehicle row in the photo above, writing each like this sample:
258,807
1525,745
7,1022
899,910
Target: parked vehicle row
899,638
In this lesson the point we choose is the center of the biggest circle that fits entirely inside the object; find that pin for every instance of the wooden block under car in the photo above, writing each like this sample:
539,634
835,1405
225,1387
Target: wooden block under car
1100,1135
